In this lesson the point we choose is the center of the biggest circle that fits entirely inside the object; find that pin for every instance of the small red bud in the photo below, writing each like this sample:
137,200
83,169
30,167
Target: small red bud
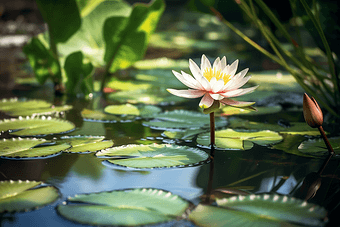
312,112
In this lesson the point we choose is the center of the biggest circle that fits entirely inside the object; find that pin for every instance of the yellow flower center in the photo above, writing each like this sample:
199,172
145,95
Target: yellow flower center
209,74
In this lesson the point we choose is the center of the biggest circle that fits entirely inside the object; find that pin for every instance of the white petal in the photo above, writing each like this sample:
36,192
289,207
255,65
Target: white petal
205,83
217,86
217,64
206,101
216,96
223,63
241,74
195,70
213,82
192,80
233,68
204,63
186,93
239,83
192,83
234,80
238,92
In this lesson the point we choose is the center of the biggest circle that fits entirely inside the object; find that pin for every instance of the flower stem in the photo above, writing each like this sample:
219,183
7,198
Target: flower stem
325,139
212,133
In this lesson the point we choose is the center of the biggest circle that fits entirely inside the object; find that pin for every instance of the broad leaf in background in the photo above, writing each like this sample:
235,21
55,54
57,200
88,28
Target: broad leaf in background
146,111
127,43
41,60
133,207
35,126
25,148
20,195
153,155
62,17
79,74
81,144
317,147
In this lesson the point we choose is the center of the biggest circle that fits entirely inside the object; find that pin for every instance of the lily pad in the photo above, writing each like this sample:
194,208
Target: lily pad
230,110
81,144
182,119
20,195
290,145
188,134
35,126
239,140
124,208
17,107
152,96
128,109
153,156
161,63
317,147
25,148
96,115
277,207
295,128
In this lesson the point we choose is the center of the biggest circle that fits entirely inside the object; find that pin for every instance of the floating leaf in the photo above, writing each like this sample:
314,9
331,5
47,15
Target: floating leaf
290,144
153,156
240,140
128,109
127,85
82,144
317,147
17,107
295,128
20,195
185,135
128,208
230,110
25,148
35,126
182,119
277,207
98,116
160,63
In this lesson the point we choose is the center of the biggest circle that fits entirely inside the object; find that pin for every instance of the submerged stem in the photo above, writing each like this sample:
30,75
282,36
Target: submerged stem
212,130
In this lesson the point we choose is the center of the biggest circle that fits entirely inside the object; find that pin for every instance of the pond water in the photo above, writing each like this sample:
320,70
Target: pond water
259,170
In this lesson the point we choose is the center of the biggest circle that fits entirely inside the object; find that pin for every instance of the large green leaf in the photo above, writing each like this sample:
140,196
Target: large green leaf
317,147
20,195
89,38
128,208
96,115
153,156
23,107
42,60
79,74
126,39
82,144
62,17
35,126
290,144
240,140
294,128
182,119
128,109
25,148
161,63
277,207
230,110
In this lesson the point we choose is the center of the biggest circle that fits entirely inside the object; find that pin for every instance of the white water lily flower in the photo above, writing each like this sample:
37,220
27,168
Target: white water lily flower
218,83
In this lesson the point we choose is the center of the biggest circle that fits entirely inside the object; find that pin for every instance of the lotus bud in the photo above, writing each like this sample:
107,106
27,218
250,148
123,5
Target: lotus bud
312,112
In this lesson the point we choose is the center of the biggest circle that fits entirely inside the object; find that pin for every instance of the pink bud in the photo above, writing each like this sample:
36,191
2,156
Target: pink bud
312,112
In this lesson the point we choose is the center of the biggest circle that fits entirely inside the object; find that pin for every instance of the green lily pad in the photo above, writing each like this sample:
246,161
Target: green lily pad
35,126
128,109
188,134
20,195
230,110
277,207
151,96
317,147
25,148
296,128
160,63
153,156
240,140
182,119
97,115
127,85
81,144
290,145
124,208
17,107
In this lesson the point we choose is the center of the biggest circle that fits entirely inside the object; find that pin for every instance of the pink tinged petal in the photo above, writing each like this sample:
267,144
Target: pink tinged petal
217,64
206,101
192,80
238,92
217,86
204,63
216,96
195,70
186,93
239,83
231,102
186,81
